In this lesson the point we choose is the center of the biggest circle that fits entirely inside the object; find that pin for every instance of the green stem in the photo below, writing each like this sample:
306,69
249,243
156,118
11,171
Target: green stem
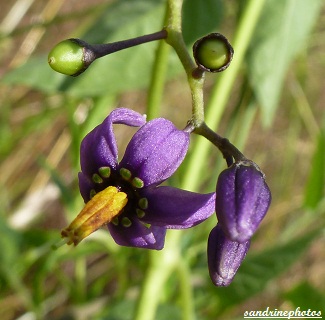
163,262
222,90
175,37
186,291
228,150
157,82
80,274
160,267
195,79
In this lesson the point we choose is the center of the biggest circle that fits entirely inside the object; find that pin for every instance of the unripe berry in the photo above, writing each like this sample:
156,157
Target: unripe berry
74,56
68,57
213,53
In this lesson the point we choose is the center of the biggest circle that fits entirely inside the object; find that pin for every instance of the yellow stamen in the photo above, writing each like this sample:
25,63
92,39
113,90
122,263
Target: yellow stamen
99,210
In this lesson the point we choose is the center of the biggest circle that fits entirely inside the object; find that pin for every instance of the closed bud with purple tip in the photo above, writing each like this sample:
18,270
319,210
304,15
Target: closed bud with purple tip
242,200
224,257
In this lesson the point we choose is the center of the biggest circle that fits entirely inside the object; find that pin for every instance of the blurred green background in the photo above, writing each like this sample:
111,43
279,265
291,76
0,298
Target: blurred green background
269,103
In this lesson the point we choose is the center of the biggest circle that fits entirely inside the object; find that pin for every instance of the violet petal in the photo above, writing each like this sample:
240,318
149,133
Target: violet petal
177,209
98,148
85,185
224,256
138,235
155,151
242,200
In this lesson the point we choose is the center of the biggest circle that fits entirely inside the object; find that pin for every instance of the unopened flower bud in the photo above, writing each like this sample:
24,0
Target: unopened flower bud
242,200
213,53
224,256
70,57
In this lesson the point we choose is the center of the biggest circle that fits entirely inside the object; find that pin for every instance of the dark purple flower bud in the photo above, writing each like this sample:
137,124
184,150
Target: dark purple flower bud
242,200
224,256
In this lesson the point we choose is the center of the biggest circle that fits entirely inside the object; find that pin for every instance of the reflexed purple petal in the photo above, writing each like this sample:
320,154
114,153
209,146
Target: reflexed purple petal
99,147
138,235
177,209
85,185
156,151
224,257
243,199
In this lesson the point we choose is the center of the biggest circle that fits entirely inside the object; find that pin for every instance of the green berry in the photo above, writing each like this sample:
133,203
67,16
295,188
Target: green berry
213,52
67,58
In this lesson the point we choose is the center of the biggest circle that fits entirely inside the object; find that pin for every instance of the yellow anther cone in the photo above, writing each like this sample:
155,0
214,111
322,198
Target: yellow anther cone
100,210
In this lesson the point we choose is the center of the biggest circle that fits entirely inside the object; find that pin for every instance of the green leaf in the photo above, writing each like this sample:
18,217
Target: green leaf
35,73
127,69
257,270
119,310
195,13
306,297
66,193
10,241
281,33
315,184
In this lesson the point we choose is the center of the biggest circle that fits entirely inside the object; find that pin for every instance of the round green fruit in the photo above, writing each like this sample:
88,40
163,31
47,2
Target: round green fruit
67,58
213,52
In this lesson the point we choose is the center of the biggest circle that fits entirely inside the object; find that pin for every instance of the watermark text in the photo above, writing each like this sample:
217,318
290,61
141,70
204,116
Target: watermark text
280,314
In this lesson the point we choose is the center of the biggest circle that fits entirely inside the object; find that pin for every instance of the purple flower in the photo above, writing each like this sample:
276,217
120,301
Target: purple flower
242,200
143,210
224,256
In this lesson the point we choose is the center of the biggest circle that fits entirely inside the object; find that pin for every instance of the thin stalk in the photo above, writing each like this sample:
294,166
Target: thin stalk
195,78
101,50
222,89
162,263
158,272
160,266
186,291
175,37
157,81
228,150
91,52
80,274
